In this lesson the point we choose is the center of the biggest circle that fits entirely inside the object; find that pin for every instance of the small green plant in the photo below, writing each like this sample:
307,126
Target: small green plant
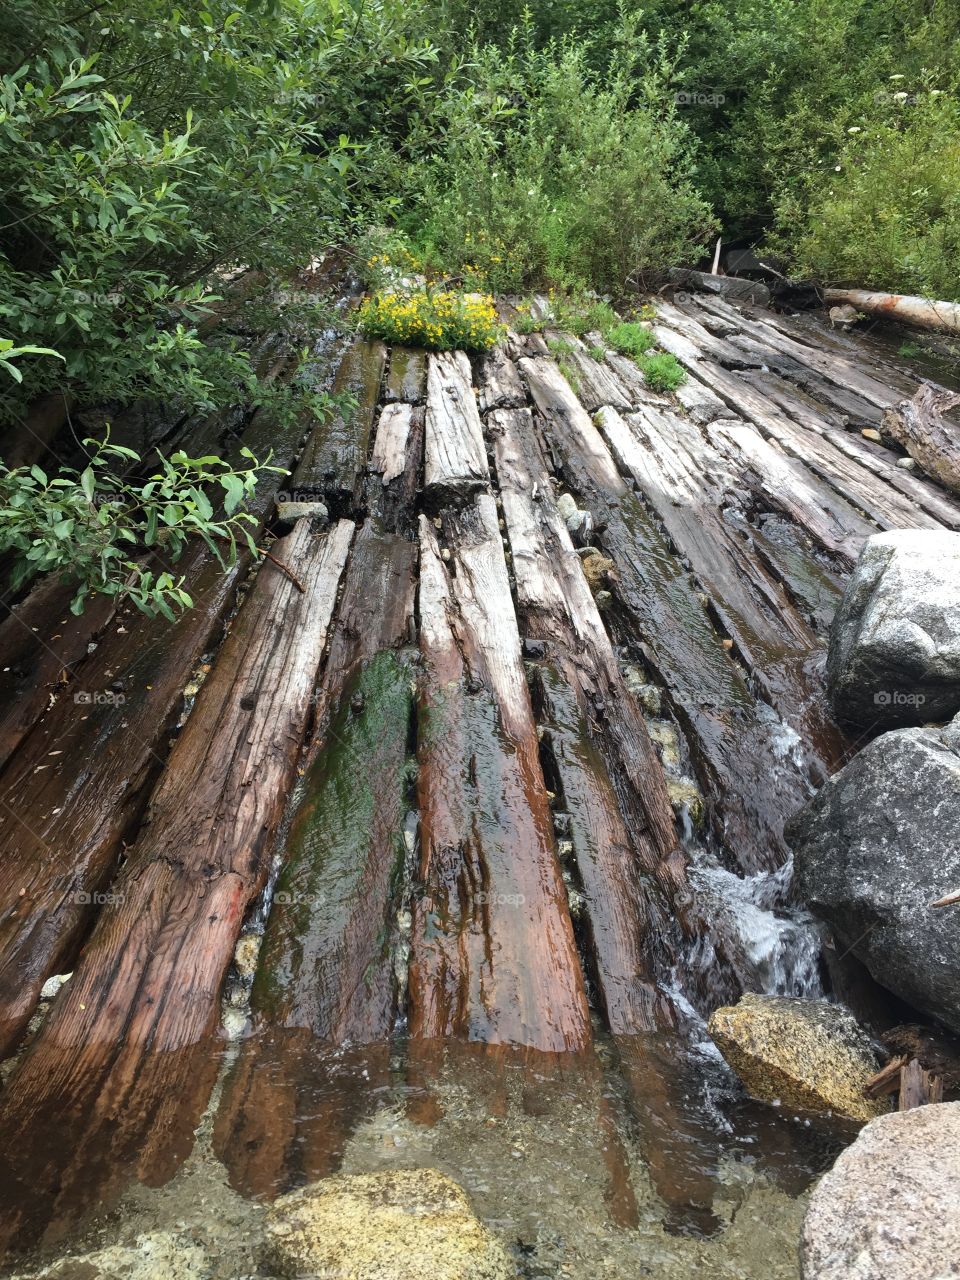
93,526
9,353
909,350
630,339
662,372
443,320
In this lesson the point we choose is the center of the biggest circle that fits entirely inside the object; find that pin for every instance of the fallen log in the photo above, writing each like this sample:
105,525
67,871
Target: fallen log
733,740
332,464
498,382
456,458
395,465
407,377
933,440
921,313
119,1074
493,959
75,790
918,1087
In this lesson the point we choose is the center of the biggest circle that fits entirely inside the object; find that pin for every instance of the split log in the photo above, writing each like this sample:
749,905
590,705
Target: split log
494,959
336,454
920,313
119,1075
456,458
933,440
75,790
732,738
596,382
693,490
407,377
918,1088
395,465
42,646
812,580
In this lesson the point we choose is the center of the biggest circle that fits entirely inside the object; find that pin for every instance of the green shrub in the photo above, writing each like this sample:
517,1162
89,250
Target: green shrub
441,320
662,372
631,339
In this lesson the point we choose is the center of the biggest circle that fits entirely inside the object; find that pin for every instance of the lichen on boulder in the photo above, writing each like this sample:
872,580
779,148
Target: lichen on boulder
408,1224
807,1054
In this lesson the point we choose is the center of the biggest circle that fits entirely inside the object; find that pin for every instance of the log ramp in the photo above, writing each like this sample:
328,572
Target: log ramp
441,648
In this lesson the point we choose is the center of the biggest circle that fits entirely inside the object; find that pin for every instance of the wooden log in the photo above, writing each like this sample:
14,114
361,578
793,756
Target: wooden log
456,459
499,383
43,646
597,382
494,959
332,464
919,313
75,790
918,1088
932,439
395,465
732,738
407,377
693,490
121,1070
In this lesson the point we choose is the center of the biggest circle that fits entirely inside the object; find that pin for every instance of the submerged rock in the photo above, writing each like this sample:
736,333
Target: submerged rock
156,1255
894,657
397,1225
887,1210
877,846
807,1054
685,797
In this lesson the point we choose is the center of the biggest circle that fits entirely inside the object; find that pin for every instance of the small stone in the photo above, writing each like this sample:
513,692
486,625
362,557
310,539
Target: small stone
53,985
566,506
907,464
667,741
245,956
685,797
289,512
598,570
870,433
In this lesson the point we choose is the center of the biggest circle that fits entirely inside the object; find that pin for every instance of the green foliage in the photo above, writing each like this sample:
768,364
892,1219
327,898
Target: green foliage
94,526
661,371
630,339
550,172
9,353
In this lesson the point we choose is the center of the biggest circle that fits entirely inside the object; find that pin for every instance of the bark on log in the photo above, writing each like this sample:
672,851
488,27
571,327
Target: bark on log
75,790
733,741
921,313
494,959
336,454
456,458
120,1072
930,438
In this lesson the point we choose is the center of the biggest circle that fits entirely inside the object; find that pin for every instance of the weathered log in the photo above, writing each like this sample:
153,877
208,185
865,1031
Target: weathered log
918,1088
494,959
119,1074
694,491
43,645
731,737
75,790
407,377
332,464
597,382
930,438
395,465
456,459
499,383
921,313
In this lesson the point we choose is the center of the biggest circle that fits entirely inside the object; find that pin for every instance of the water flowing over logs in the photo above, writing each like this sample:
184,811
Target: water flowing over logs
121,1070
494,958
324,998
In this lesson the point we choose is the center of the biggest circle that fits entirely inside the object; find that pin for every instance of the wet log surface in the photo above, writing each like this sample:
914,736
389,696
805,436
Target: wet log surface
120,1073
549,875
324,998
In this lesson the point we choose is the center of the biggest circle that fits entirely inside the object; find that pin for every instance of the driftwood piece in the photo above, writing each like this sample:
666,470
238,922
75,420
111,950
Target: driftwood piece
919,425
731,738
407,377
75,790
920,313
499,383
121,1070
456,458
336,453
494,958
43,645
886,1080
918,1088
694,491
324,997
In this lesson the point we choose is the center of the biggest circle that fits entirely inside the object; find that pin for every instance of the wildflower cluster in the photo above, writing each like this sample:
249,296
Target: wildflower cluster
437,320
